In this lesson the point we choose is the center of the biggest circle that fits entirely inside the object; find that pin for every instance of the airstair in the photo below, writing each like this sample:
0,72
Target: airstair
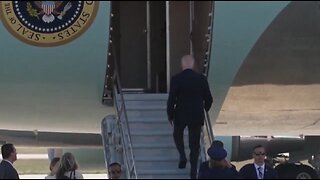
153,150
153,147
139,136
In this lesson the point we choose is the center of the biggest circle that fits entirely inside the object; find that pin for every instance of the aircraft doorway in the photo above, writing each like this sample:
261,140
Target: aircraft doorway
151,37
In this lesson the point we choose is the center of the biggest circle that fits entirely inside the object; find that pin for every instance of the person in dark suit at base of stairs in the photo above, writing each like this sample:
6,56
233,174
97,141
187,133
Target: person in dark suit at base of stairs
258,169
9,156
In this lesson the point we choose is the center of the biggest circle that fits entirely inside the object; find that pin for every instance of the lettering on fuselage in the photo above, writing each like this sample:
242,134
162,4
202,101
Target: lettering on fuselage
47,23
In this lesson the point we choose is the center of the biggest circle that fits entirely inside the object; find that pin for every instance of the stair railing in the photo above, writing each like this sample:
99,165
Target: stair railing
207,122
123,119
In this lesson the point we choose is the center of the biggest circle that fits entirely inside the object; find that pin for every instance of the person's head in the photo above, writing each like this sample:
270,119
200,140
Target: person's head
54,165
9,152
217,153
217,143
114,171
187,62
67,163
259,154
217,156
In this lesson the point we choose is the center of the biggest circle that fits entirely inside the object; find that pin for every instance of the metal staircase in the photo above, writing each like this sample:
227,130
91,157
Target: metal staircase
155,153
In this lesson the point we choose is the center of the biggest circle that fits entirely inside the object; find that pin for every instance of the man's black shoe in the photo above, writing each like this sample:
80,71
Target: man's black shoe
182,164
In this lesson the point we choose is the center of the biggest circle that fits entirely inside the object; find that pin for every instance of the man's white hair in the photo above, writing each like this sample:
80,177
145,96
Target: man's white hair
187,62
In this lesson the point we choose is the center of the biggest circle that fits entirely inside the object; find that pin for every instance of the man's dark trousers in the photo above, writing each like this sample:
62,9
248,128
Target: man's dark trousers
194,144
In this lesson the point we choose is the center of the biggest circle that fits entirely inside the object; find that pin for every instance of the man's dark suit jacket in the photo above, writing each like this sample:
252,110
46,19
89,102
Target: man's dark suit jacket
7,171
189,95
249,172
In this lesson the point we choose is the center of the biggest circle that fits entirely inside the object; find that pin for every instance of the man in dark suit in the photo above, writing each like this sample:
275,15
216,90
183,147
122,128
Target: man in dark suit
188,97
258,169
9,156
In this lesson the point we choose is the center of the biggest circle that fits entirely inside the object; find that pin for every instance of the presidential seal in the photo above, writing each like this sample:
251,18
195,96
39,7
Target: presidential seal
47,23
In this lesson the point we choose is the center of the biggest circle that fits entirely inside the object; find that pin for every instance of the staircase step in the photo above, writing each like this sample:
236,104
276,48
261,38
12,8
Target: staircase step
161,162
145,107
165,166
158,158
154,145
145,96
164,176
163,171
168,158
151,113
142,103
149,124
161,152
147,127
150,120
164,132
156,139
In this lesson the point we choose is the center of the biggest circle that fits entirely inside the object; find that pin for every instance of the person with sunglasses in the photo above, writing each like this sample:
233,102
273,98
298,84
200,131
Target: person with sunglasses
258,169
114,171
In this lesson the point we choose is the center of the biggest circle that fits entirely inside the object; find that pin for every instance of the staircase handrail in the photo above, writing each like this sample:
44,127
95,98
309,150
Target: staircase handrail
207,120
123,119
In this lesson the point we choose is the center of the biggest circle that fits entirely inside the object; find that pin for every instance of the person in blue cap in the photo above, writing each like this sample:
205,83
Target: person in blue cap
205,165
218,166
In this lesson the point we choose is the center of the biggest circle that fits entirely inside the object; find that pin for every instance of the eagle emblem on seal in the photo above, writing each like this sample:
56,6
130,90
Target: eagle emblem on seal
49,10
